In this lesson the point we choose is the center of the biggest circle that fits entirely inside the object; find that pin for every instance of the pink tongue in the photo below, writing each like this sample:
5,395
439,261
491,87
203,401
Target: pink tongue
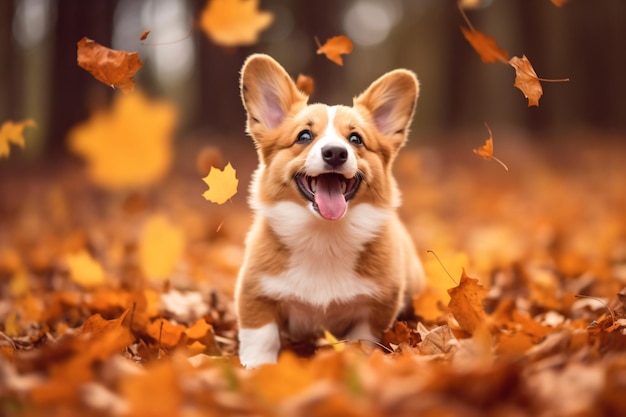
329,198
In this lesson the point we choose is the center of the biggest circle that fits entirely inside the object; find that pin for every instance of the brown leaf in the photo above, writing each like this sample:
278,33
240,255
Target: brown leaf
335,47
486,151
400,333
526,80
305,84
144,35
111,67
466,303
486,46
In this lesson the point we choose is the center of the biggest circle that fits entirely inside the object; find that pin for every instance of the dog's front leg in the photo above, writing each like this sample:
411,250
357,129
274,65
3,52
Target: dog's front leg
258,346
259,335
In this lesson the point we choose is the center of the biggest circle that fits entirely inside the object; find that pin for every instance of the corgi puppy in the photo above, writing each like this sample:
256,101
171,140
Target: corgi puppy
326,250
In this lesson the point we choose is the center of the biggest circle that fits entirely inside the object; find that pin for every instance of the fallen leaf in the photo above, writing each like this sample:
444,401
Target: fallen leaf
485,46
305,84
486,151
427,305
400,333
113,68
128,145
144,35
160,248
13,132
222,184
198,330
439,340
289,377
234,22
337,345
165,332
335,47
526,80
466,303
84,270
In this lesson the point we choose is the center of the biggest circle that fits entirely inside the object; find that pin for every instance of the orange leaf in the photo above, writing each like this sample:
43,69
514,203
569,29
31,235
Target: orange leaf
486,151
160,248
234,22
167,333
111,67
526,79
558,3
222,184
485,46
112,140
305,84
13,132
466,303
144,35
84,270
335,47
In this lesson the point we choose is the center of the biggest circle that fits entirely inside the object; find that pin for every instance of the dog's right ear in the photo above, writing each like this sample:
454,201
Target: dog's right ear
268,93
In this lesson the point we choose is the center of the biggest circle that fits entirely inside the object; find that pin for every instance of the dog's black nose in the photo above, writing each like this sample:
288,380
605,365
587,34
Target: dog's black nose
334,156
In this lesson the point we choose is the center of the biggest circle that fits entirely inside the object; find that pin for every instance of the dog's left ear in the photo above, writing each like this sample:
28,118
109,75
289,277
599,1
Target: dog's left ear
391,101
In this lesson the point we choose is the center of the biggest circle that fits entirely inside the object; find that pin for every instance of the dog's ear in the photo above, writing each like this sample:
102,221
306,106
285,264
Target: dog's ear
268,93
390,102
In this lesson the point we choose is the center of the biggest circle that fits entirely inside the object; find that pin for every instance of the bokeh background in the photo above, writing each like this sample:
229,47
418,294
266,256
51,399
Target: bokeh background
583,40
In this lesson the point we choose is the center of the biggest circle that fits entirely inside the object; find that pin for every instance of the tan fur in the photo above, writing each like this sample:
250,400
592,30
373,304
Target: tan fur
277,112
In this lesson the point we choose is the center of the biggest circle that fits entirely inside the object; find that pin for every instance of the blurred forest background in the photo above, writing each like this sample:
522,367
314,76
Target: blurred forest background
583,40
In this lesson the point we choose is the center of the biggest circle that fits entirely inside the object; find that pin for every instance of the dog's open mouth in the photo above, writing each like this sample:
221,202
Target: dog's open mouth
329,192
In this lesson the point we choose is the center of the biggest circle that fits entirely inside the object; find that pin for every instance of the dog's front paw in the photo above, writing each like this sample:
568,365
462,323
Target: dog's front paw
259,346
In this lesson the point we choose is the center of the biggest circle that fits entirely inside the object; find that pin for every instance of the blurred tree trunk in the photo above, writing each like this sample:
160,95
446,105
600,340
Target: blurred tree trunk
72,93
8,84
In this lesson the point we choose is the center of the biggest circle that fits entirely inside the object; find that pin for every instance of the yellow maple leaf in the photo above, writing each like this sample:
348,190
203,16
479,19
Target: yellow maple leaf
128,145
234,22
84,270
160,248
13,132
222,184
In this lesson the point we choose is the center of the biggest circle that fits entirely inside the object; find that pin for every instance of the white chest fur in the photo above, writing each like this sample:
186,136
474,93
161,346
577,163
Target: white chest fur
322,264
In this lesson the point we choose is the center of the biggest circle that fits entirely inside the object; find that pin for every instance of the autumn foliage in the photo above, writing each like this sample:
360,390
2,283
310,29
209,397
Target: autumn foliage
117,276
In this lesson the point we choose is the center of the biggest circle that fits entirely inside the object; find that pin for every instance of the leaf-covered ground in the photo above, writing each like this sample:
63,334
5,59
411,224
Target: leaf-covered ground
91,325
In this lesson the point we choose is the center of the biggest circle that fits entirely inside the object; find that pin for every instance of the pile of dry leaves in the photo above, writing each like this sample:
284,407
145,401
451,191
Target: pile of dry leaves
119,303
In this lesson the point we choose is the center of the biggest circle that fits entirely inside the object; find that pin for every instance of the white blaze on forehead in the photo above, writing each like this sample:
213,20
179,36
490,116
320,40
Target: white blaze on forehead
315,164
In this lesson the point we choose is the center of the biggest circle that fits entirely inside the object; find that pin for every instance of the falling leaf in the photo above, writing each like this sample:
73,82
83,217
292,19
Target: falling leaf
234,22
305,84
486,151
486,46
558,3
466,303
113,68
222,184
526,80
160,248
13,132
84,270
128,145
144,35
335,47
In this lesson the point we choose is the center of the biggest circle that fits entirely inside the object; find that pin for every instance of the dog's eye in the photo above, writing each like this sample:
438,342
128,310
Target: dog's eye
304,137
355,139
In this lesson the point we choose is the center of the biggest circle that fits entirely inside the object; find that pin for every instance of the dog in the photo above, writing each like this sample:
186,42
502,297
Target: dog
326,250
